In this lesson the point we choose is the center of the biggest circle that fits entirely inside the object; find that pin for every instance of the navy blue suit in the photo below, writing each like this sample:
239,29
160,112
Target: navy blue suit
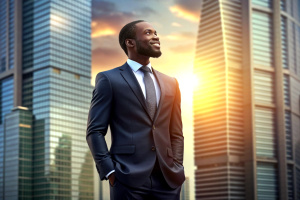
137,140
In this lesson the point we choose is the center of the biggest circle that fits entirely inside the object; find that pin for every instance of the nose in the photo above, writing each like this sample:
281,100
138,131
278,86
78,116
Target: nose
156,37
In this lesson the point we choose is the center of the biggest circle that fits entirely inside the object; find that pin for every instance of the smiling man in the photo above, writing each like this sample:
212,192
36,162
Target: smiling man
142,107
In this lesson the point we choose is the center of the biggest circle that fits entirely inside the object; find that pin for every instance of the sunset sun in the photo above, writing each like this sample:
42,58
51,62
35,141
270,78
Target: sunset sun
187,83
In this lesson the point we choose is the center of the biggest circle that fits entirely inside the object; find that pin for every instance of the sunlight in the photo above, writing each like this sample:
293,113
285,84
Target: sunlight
188,82
183,13
210,96
94,24
57,20
103,32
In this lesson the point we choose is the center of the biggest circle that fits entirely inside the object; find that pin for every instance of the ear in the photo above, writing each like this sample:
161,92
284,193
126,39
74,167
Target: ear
130,43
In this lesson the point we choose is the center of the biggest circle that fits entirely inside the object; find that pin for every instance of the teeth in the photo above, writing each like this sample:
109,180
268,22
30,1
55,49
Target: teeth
156,44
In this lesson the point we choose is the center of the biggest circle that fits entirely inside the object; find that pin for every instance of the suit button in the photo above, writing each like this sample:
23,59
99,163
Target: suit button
153,127
153,148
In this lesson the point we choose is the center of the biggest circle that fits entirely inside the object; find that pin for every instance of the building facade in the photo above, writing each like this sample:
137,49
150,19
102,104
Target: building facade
102,188
45,92
185,189
247,106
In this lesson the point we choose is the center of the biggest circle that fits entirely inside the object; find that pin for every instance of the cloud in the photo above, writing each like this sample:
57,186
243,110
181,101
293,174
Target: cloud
145,11
176,24
100,6
105,58
103,32
107,19
187,9
183,49
183,13
106,54
181,36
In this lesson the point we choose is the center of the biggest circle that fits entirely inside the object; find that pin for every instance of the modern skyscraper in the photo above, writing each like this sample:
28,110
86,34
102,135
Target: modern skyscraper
45,92
102,188
247,107
185,190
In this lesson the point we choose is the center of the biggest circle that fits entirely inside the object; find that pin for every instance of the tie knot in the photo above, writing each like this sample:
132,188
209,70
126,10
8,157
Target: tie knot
145,69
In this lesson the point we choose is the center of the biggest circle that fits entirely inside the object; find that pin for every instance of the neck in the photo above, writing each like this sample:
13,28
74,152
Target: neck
143,60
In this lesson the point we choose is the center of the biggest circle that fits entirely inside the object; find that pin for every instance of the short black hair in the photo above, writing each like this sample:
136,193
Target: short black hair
128,32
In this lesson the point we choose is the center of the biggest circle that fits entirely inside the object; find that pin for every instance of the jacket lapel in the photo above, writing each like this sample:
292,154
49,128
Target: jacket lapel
131,80
162,91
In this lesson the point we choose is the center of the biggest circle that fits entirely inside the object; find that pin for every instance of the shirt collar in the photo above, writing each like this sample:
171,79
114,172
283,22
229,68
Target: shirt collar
135,66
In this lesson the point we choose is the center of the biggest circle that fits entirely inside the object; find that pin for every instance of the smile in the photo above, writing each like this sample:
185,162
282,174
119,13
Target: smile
156,44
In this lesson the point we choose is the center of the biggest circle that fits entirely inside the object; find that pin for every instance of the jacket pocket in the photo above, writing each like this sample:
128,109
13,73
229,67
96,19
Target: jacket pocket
124,149
169,152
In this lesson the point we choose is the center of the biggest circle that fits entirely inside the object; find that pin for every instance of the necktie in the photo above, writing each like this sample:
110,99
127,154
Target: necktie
150,91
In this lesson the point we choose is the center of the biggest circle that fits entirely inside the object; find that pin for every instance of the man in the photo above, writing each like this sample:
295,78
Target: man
142,107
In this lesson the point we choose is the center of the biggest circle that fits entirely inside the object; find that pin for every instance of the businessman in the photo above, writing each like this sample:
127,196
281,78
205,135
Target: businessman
142,108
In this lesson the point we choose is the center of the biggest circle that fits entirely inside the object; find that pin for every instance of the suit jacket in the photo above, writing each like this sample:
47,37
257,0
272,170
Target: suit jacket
137,140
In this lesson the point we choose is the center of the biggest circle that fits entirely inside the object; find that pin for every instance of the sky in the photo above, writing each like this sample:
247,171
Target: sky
176,22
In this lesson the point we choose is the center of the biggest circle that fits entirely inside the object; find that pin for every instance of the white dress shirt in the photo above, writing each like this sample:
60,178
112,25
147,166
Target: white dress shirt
135,66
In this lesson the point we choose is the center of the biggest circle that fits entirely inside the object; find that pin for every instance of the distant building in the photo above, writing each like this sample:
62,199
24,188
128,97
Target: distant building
102,191
247,107
45,93
185,190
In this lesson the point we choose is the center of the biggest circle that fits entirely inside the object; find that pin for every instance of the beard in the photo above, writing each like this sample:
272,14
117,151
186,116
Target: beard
147,51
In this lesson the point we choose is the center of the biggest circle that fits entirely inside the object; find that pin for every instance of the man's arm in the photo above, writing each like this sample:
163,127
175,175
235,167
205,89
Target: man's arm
176,134
98,120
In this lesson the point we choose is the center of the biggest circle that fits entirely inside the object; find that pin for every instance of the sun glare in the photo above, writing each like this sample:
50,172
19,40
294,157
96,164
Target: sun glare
57,20
188,82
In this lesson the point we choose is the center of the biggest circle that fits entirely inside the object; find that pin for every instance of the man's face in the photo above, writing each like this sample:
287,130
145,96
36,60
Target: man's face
147,41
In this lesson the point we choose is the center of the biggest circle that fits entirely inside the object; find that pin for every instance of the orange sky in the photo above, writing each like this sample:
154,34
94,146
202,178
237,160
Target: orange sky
176,22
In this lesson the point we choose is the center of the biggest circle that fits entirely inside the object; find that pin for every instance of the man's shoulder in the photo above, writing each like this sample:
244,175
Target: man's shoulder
165,76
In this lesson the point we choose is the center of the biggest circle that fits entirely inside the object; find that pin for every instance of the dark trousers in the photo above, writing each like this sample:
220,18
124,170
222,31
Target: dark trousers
155,188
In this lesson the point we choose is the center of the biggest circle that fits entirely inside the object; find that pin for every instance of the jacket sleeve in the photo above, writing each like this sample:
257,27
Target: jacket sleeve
97,124
176,135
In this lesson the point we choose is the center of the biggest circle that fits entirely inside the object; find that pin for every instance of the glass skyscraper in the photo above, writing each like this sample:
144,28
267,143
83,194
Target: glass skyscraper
45,92
185,190
246,109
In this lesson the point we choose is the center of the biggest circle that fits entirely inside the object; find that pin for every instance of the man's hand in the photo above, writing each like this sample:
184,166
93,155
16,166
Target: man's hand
112,178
